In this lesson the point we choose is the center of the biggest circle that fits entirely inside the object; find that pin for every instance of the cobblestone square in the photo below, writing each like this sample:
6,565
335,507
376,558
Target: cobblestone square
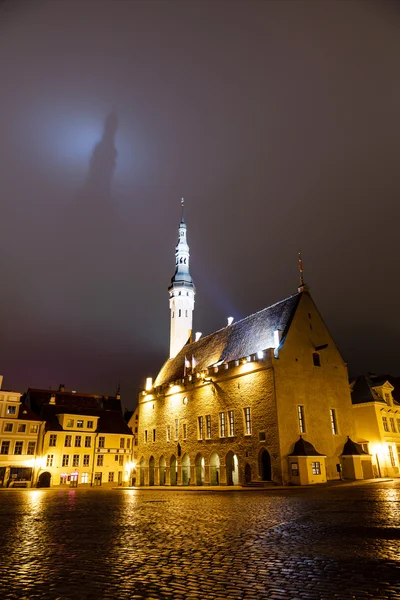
336,542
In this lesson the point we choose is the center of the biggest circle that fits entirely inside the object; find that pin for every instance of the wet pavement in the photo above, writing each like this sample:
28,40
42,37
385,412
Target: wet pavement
336,542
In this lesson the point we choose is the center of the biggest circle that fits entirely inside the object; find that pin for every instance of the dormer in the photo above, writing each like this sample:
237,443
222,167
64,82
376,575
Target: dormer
384,392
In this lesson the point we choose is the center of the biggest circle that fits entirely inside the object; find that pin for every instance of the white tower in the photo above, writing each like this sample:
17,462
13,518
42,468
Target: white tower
181,294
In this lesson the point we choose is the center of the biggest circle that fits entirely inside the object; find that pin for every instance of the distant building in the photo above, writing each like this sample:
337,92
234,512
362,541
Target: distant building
19,435
377,421
262,400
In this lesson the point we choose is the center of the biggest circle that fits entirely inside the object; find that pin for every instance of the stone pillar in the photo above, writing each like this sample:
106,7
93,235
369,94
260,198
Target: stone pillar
207,475
222,473
193,478
179,475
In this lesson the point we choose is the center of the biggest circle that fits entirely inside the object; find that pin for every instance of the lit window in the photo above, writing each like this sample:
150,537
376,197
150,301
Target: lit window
68,441
53,440
8,427
222,431
34,428
86,460
18,447
11,410
128,443
90,424
85,478
168,433
184,431
332,413
300,416
122,443
200,423
21,428
100,459
385,424
78,441
392,425
49,460
247,421
79,423
65,460
391,456
231,423
145,435
294,467
111,477
176,429
88,441
387,399
121,461
208,427
102,441
70,423
31,448
316,359
316,468
5,447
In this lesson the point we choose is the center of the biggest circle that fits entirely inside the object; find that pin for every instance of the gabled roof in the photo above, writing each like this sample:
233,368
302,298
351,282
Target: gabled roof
304,448
110,421
235,341
362,388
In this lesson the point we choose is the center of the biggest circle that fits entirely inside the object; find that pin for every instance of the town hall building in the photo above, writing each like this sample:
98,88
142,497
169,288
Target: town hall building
263,400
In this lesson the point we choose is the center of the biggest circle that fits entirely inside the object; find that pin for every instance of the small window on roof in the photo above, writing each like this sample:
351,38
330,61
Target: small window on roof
316,359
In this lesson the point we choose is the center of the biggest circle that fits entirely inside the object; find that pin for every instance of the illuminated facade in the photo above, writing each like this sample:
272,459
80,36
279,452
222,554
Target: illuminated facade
262,400
377,422
19,431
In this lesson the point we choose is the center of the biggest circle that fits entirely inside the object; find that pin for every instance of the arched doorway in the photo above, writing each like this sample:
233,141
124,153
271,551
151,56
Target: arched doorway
141,471
214,469
232,469
247,473
186,470
173,471
264,465
151,470
163,470
200,469
44,480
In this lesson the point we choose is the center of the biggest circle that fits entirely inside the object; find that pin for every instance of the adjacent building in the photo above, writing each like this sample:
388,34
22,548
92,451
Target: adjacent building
262,400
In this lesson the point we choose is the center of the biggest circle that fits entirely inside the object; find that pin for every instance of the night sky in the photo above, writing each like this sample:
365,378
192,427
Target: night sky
277,121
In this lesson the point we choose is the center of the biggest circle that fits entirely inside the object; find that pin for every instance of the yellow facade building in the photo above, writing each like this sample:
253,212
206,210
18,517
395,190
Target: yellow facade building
262,400
377,422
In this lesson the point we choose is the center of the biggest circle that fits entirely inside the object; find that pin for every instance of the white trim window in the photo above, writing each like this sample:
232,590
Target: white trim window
247,421
200,422
222,425
231,423
300,417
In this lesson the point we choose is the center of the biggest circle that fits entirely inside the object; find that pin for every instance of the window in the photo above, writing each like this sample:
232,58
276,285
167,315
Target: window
128,443
332,413
262,436
121,461
145,436
18,447
294,467
222,431
68,441
34,428
201,426
78,441
392,425
176,429
8,427
208,427
154,435
111,477
300,416
65,460
49,460
391,456
86,460
70,422
116,458
365,447
5,447
100,460
122,443
102,441
85,478
316,468
53,440
247,421
88,441
168,433
387,399
385,424
184,428
179,313
231,423
89,425
398,425
316,359
31,448
21,428
11,410
79,424
75,460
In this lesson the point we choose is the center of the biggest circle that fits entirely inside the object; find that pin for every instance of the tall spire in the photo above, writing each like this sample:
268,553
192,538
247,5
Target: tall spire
181,293
303,287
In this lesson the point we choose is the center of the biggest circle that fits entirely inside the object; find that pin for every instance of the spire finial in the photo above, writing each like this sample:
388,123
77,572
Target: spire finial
183,206
301,271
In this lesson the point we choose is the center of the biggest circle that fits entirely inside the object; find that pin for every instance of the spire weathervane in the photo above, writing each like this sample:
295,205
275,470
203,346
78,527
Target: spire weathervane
182,205
301,271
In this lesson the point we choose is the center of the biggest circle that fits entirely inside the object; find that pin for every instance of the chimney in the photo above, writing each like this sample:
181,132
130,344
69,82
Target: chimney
52,399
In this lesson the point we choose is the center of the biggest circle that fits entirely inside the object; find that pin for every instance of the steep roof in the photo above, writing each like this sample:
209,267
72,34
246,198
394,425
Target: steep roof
110,421
352,448
235,341
38,398
362,388
304,448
